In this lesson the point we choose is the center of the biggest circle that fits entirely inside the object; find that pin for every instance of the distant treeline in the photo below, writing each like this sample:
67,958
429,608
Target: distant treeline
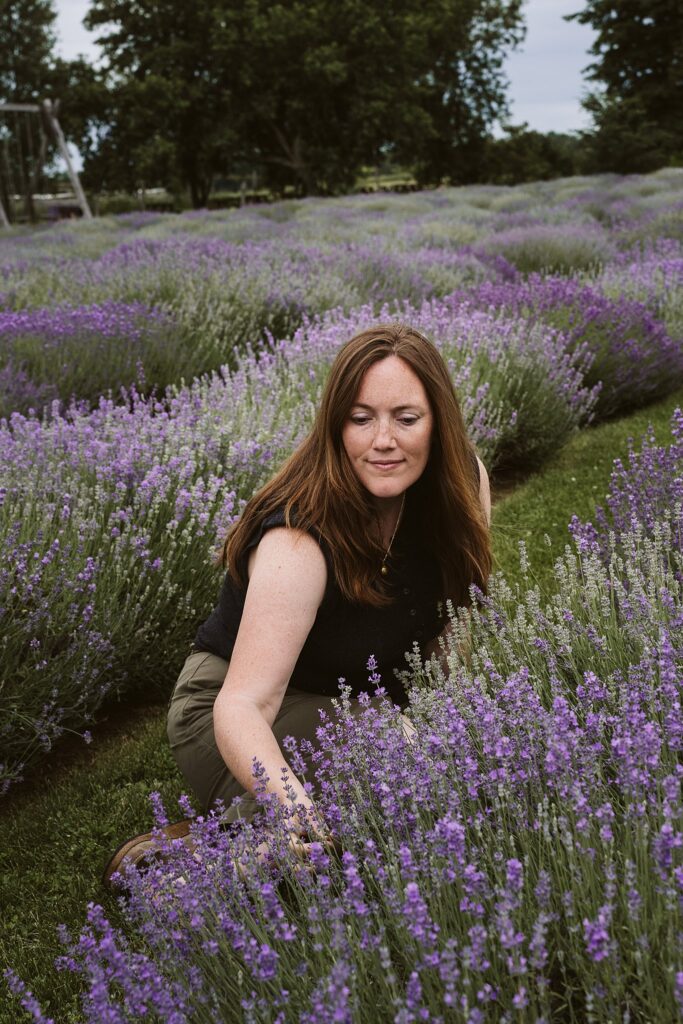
300,96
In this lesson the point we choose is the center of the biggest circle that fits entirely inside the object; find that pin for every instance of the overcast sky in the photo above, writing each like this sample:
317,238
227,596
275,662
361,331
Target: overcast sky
546,84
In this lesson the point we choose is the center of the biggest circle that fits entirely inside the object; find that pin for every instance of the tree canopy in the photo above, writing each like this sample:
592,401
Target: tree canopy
638,106
308,90
29,73
26,49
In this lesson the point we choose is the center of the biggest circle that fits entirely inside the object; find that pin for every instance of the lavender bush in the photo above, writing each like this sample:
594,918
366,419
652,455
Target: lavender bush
651,274
519,858
562,249
131,499
61,352
644,494
633,357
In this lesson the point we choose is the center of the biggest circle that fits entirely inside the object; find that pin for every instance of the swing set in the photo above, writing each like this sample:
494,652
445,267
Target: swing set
24,138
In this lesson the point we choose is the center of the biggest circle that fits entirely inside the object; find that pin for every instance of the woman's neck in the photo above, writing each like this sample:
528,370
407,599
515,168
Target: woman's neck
389,511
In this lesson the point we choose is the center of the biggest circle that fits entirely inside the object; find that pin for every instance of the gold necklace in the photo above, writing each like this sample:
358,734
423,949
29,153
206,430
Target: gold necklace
383,568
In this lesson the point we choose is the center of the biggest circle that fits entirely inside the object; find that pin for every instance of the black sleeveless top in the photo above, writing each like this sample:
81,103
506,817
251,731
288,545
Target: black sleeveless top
346,634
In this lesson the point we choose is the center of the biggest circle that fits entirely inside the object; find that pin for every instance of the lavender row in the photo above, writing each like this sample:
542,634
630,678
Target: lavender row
183,307
634,358
631,209
153,312
520,860
51,354
110,516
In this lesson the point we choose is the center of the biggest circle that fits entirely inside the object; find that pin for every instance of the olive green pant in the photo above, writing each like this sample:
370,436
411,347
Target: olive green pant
191,735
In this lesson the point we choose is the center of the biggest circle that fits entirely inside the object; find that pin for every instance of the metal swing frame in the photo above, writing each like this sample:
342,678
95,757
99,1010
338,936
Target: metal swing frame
48,111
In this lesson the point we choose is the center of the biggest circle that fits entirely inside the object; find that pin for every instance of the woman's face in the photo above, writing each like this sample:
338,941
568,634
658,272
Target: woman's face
388,431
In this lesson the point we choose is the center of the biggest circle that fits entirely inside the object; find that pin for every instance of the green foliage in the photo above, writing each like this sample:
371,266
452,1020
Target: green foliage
460,85
526,155
169,116
638,108
308,92
26,43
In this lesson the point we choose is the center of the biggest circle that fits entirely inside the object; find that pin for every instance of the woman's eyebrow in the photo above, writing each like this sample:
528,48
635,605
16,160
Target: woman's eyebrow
397,408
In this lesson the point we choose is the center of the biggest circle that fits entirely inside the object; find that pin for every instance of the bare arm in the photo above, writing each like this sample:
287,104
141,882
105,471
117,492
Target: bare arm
286,585
484,491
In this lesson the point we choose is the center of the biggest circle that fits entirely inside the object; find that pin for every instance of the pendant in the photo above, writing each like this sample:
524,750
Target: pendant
384,570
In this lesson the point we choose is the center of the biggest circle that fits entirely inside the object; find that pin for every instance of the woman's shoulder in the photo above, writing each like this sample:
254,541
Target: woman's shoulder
289,550
282,535
279,518
286,568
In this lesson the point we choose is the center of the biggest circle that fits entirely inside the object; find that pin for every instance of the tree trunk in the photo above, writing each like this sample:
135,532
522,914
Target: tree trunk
294,159
200,188
6,199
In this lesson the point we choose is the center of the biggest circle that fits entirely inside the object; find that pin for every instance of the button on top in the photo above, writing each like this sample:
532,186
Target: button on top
413,611
406,590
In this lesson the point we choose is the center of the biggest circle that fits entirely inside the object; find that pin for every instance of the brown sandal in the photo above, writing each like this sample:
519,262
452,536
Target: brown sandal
141,852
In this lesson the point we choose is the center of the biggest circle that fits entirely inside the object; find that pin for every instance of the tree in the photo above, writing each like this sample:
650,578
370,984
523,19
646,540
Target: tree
307,89
169,118
638,108
460,84
30,73
26,49
527,155
26,62
337,83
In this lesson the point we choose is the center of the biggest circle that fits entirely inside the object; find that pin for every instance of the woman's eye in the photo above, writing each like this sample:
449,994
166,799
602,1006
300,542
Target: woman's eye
361,420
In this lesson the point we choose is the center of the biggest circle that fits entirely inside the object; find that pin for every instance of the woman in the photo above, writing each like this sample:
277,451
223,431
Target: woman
351,550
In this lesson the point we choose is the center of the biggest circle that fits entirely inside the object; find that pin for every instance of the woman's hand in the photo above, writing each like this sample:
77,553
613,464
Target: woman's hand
310,827
409,730
301,842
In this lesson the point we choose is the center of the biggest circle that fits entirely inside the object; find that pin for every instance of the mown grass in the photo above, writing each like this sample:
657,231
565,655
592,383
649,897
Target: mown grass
60,828
574,481
57,835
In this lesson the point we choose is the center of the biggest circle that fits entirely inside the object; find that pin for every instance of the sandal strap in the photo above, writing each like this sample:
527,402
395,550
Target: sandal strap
134,850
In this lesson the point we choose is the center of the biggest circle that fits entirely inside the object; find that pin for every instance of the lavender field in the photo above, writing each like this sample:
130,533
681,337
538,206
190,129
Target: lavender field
522,859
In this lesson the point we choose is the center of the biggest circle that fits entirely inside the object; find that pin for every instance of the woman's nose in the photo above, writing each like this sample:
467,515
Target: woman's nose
384,434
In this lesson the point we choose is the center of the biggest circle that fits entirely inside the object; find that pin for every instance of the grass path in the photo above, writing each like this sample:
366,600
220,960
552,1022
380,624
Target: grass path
573,482
60,828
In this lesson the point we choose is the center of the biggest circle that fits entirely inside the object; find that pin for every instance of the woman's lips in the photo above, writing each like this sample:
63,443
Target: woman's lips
386,465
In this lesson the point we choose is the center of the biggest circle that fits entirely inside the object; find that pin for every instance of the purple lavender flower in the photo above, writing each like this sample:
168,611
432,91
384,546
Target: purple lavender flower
597,936
643,493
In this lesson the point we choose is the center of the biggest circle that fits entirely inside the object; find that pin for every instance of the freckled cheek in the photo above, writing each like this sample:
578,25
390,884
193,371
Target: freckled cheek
419,451
351,445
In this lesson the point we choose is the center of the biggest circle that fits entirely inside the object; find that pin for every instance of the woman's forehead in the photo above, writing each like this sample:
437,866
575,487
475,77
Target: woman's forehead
391,380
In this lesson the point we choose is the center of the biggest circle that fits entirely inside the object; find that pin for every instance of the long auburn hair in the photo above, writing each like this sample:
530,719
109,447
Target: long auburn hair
319,490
